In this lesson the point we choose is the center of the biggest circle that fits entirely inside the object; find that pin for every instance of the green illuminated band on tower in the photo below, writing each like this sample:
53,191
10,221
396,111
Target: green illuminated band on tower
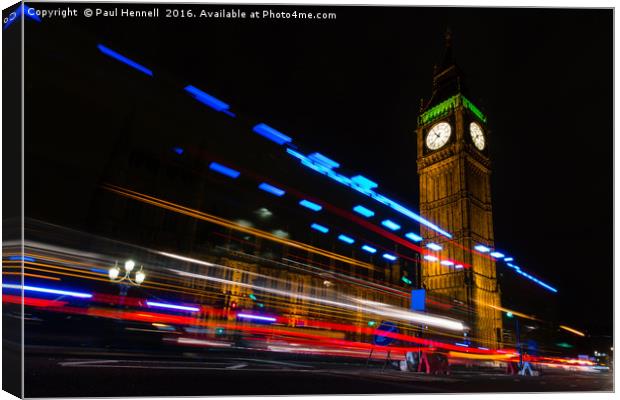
469,105
439,110
445,106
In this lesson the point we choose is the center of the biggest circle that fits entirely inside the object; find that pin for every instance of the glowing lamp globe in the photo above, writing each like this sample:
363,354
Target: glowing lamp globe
129,264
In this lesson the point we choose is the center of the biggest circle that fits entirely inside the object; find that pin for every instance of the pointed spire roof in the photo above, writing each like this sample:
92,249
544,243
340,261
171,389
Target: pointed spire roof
448,57
447,76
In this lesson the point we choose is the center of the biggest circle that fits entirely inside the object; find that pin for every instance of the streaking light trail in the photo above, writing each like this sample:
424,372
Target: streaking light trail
346,239
310,205
256,317
207,99
434,246
271,189
385,310
412,236
390,225
364,182
109,52
30,13
48,290
481,248
172,306
269,133
20,258
320,228
230,224
571,330
324,161
369,249
363,211
530,277
224,170
322,169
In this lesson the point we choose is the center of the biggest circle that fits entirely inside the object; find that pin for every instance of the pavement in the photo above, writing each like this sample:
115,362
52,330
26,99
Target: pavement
89,373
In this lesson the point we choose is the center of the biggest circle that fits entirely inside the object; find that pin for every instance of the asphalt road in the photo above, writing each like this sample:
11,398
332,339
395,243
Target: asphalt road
89,374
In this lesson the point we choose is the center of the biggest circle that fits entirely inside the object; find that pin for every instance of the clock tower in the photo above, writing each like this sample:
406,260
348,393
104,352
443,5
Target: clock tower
455,193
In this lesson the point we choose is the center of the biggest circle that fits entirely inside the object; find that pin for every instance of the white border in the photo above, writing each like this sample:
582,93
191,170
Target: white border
479,3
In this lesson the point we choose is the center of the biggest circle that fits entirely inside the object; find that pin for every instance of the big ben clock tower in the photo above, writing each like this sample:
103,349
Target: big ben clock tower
455,193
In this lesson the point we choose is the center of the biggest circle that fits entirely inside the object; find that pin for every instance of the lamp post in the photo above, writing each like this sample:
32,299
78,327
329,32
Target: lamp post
119,276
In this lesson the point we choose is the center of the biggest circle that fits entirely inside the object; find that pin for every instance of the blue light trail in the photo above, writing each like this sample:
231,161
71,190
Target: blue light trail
319,228
310,205
428,257
389,257
363,211
109,52
20,258
369,249
178,150
30,13
346,239
364,182
48,290
256,317
324,161
172,306
269,133
412,236
530,277
224,170
207,99
434,246
390,225
481,248
496,254
320,168
271,189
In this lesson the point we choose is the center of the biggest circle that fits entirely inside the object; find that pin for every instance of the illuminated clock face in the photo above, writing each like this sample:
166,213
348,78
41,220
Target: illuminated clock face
438,135
477,136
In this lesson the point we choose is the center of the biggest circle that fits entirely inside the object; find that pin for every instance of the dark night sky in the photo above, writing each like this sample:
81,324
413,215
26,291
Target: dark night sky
352,87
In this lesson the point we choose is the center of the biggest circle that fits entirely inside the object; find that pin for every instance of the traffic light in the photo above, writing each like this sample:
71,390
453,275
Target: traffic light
233,304
252,296
406,280
372,323
509,314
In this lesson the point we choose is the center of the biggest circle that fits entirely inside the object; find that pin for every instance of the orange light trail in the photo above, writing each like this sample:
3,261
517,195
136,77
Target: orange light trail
230,224
32,275
518,314
571,330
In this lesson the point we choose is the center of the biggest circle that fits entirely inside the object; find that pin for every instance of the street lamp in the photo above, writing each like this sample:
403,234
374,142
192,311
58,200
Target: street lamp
117,275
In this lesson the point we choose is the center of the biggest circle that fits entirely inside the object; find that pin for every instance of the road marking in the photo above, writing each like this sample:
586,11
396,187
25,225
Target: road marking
237,366
273,362
189,368
76,363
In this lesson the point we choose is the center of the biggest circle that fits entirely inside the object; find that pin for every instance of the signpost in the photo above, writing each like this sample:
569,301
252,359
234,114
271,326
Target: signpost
380,338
